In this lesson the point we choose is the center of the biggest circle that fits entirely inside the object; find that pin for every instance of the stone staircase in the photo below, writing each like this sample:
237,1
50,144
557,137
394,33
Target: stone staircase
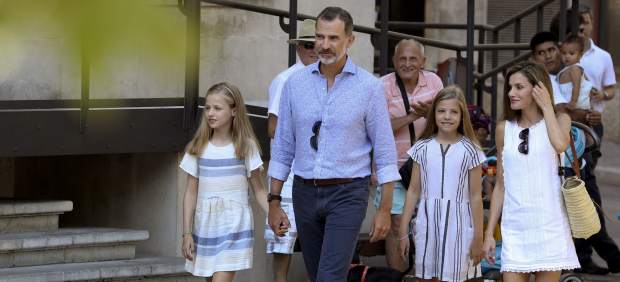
33,248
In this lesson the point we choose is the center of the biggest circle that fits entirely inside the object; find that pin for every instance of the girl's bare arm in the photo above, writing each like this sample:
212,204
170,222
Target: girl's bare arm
258,186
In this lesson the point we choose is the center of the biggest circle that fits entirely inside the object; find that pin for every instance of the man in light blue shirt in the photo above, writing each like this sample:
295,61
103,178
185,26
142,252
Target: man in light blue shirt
333,115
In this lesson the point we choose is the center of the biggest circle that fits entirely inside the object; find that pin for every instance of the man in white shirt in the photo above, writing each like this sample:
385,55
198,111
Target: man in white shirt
596,62
599,69
545,51
282,247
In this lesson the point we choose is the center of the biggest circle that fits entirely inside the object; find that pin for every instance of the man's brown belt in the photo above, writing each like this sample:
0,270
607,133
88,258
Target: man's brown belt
326,182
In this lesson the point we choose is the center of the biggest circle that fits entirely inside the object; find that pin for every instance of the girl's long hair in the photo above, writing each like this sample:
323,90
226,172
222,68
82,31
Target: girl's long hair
243,137
534,73
465,127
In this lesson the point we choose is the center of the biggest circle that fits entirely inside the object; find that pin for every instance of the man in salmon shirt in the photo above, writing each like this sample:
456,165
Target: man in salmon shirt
421,87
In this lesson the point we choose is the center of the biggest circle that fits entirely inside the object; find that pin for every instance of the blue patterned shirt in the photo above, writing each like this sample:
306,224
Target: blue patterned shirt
354,122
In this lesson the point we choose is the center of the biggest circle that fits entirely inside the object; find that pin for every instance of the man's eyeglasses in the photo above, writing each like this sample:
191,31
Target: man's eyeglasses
308,45
523,146
314,143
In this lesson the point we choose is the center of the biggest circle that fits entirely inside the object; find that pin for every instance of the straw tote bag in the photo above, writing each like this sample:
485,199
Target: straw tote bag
582,216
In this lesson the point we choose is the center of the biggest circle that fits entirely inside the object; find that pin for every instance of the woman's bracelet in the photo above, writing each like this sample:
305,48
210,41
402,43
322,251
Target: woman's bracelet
404,237
187,233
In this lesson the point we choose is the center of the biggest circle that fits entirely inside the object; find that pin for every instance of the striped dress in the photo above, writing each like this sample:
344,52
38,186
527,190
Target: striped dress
443,229
223,225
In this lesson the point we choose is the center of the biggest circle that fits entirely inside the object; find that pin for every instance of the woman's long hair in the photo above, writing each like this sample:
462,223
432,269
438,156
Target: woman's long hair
241,130
465,127
534,73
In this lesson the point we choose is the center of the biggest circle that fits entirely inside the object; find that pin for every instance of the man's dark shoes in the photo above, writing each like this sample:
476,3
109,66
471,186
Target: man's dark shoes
590,267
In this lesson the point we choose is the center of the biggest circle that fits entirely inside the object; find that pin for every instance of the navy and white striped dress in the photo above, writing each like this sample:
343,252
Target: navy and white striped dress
223,225
443,227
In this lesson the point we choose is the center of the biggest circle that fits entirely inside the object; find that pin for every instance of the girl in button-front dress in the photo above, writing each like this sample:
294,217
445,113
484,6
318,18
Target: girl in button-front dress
217,216
446,179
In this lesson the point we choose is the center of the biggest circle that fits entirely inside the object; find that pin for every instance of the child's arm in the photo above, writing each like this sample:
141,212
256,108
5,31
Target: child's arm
258,186
475,201
413,194
574,74
189,208
497,199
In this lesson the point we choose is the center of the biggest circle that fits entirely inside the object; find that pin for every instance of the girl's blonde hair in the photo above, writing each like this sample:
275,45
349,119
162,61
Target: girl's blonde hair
465,128
534,73
241,130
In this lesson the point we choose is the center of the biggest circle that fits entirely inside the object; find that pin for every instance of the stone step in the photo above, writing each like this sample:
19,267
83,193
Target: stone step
68,245
24,216
169,269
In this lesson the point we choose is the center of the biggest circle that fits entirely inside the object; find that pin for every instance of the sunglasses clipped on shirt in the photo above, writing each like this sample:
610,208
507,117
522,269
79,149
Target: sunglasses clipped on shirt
524,136
314,142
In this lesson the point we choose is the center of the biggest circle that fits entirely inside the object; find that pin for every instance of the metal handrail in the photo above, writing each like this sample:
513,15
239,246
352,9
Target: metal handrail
427,41
374,31
484,76
257,9
502,46
523,14
425,25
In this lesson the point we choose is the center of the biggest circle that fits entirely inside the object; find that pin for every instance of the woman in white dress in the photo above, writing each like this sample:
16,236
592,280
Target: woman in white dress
536,237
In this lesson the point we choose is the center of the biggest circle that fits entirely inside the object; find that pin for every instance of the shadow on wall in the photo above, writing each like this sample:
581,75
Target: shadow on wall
136,191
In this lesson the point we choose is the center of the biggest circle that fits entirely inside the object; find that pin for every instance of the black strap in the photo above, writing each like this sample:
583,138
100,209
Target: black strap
403,92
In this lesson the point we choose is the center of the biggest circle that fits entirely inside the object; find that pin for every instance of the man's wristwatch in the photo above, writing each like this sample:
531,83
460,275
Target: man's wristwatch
271,197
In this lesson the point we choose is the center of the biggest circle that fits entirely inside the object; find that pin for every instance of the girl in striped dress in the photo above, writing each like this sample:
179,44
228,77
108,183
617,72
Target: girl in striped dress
446,179
217,217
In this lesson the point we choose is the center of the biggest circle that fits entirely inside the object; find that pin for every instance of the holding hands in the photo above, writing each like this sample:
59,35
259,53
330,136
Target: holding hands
278,220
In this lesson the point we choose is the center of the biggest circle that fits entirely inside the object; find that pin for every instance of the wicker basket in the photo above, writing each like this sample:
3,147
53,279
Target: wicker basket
582,216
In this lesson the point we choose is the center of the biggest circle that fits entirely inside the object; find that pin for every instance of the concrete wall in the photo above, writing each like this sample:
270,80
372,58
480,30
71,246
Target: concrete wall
7,177
611,119
449,11
256,48
134,191
39,60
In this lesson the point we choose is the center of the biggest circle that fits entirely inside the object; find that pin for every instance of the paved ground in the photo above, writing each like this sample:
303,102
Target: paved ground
608,170
608,177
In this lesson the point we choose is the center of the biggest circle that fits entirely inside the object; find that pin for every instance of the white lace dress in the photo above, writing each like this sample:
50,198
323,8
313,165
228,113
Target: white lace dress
535,231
